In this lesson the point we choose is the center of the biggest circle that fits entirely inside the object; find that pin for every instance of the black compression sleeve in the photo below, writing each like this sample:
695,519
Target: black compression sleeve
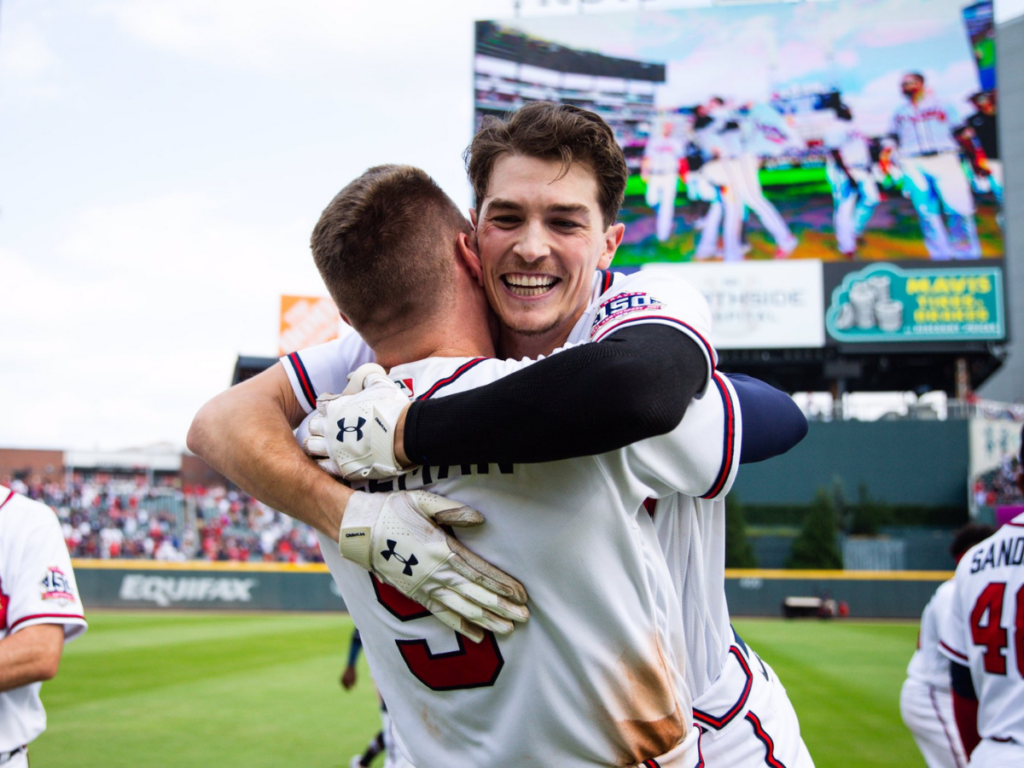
590,399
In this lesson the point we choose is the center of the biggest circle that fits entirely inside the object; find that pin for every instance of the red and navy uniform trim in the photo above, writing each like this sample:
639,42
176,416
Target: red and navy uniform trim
652,763
607,278
23,619
303,376
10,495
729,438
769,745
445,382
673,320
705,718
700,752
945,728
953,651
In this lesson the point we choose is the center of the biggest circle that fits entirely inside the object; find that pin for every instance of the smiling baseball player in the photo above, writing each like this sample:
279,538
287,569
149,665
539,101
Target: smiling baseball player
39,611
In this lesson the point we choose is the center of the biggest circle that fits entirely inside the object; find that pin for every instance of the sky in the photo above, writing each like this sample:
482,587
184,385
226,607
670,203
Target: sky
162,163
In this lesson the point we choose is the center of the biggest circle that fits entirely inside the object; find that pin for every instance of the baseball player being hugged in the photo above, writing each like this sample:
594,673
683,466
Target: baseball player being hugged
926,701
933,177
39,611
983,637
854,189
660,169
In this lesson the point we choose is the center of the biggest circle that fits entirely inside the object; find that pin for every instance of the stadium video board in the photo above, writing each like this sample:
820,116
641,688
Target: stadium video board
827,173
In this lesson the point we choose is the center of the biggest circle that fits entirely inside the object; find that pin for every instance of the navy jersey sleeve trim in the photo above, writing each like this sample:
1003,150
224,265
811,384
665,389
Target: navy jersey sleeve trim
303,377
728,438
451,379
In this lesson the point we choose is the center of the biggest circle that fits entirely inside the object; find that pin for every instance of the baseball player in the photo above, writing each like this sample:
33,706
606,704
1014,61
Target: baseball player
734,146
620,707
932,175
980,143
662,164
620,401
983,638
39,611
926,701
384,741
854,189
705,182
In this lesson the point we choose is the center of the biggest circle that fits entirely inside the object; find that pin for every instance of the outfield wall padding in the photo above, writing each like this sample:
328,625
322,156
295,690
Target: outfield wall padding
280,587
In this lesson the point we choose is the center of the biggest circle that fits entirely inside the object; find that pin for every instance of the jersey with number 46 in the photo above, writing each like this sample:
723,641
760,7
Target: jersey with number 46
984,630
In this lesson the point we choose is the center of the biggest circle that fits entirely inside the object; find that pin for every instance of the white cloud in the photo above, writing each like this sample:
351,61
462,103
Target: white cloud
28,64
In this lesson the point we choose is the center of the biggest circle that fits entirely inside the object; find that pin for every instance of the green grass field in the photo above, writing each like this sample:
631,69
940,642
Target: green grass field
202,689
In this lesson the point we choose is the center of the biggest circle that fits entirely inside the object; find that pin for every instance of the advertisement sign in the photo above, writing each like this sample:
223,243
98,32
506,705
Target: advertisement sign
884,303
307,321
855,130
760,305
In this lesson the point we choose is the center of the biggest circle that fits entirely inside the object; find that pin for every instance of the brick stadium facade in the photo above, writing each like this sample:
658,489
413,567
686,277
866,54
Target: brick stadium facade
39,465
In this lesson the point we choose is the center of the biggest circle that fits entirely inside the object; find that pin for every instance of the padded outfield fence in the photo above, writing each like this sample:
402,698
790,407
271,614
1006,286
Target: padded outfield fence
283,587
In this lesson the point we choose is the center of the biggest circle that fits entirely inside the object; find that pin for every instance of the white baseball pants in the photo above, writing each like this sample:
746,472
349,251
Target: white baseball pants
928,713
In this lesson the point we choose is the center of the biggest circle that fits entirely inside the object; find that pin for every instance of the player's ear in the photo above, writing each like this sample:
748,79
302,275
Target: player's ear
612,241
472,217
343,317
466,246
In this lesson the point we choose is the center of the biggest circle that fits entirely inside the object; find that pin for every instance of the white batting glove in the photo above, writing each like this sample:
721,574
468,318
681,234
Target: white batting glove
398,537
352,434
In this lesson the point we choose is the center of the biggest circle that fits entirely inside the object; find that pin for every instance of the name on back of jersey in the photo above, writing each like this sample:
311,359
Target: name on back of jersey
999,554
427,475
621,305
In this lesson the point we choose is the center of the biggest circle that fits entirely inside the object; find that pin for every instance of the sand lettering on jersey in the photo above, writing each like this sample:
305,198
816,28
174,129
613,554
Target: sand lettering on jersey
1010,552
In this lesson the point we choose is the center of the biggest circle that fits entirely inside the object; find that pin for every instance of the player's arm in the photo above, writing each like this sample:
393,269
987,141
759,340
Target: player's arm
838,158
348,676
30,655
245,433
965,705
583,401
772,422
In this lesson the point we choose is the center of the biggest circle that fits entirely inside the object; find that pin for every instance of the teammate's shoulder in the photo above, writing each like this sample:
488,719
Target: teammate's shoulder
439,376
666,281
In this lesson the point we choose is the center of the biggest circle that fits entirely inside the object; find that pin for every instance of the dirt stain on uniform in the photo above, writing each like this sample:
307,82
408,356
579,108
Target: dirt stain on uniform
654,721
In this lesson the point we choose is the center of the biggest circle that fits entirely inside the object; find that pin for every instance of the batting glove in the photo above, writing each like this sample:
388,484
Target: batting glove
398,537
352,434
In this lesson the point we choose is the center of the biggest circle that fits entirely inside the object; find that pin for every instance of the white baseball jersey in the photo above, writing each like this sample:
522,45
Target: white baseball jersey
767,134
984,630
928,665
662,155
843,136
924,128
37,586
596,677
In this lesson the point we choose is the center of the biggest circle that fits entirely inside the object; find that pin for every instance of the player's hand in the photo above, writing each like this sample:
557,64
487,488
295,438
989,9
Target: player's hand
398,537
352,434
348,678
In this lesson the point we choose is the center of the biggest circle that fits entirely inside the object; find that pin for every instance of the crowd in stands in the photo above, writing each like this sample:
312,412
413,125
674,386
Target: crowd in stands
111,518
999,486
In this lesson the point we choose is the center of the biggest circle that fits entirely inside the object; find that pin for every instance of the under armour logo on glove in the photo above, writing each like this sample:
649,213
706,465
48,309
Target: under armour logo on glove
358,429
388,553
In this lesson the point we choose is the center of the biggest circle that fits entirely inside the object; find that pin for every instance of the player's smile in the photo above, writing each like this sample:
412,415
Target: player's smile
527,285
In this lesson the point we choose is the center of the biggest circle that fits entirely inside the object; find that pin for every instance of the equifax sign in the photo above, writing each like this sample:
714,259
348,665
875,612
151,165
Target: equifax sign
165,590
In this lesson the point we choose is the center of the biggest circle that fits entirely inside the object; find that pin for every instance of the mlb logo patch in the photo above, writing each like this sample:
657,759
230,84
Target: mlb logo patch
406,386
57,587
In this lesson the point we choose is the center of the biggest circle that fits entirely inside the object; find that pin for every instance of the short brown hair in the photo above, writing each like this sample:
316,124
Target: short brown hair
385,247
552,131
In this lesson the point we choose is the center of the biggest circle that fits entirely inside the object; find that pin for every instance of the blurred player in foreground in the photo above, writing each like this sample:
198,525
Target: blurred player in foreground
983,637
39,612
384,741
926,701
933,177
854,190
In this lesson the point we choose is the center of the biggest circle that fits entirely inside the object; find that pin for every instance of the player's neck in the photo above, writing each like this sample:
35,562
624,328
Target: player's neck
447,337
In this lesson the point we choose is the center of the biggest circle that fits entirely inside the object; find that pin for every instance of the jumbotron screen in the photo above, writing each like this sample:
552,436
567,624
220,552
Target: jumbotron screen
828,173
